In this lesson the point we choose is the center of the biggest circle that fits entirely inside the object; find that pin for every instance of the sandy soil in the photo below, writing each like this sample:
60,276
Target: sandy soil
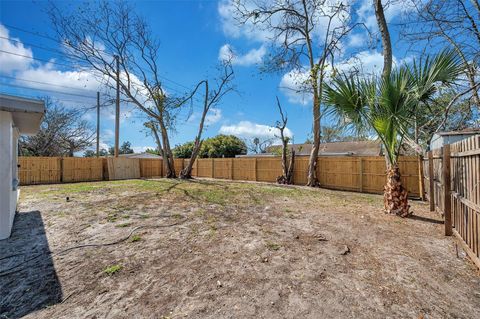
214,249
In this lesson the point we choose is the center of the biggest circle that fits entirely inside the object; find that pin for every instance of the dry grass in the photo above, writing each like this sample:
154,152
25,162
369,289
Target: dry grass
233,250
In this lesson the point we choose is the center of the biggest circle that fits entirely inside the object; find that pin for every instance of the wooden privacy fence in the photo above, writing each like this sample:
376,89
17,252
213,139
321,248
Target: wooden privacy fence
362,174
452,177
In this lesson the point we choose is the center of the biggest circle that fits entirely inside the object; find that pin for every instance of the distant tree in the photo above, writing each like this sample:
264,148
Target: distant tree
330,134
218,146
125,148
152,151
183,150
223,146
259,145
63,132
89,153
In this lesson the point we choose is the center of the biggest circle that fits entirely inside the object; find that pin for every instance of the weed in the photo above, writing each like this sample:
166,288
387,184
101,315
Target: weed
112,217
273,246
135,238
123,225
112,270
177,216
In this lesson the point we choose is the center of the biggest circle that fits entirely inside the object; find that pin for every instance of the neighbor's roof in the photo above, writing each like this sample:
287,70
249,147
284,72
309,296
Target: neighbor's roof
467,131
27,114
358,148
140,155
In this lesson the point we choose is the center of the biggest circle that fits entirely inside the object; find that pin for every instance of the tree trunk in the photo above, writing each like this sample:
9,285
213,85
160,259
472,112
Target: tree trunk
395,195
167,152
287,168
387,45
312,163
290,168
186,172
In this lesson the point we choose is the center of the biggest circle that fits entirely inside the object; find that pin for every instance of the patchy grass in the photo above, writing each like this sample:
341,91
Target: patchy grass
112,269
123,225
135,238
273,246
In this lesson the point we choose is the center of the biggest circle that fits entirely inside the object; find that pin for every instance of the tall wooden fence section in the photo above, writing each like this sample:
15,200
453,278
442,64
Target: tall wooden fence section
452,174
361,174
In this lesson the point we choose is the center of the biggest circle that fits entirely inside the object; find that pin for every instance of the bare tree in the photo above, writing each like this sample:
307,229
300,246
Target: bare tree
456,22
211,98
287,166
304,32
63,132
97,35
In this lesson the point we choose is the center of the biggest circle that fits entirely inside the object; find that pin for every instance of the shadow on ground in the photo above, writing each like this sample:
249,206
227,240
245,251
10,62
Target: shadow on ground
28,280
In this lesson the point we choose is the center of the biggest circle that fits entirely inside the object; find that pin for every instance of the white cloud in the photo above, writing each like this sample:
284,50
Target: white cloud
247,129
254,56
231,28
294,86
394,9
13,62
213,116
367,62
356,40
141,149
81,80
294,83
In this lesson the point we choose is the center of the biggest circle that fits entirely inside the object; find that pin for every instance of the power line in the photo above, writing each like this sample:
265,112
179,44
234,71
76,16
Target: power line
46,83
36,97
31,32
33,45
55,40
47,90
37,59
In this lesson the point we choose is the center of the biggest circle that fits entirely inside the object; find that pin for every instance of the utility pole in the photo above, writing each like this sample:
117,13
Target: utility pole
117,108
98,124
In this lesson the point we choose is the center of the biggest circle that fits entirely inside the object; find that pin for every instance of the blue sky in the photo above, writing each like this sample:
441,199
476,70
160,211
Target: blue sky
193,35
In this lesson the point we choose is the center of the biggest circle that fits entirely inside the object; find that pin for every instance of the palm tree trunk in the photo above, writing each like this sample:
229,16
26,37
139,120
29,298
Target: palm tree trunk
395,195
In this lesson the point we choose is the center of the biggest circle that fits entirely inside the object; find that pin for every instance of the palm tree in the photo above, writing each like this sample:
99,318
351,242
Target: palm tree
386,106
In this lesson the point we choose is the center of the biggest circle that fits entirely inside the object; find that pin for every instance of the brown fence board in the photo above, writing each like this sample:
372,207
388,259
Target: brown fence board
464,192
364,174
78,169
123,168
150,167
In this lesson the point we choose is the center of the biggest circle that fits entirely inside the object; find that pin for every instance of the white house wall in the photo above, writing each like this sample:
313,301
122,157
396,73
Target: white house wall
8,197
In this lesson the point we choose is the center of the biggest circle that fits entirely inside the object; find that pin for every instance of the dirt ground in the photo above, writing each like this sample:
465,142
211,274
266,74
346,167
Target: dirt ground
218,249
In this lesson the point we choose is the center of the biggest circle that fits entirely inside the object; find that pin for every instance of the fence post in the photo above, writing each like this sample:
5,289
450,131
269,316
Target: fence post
61,169
360,176
213,169
421,185
431,182
446,188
